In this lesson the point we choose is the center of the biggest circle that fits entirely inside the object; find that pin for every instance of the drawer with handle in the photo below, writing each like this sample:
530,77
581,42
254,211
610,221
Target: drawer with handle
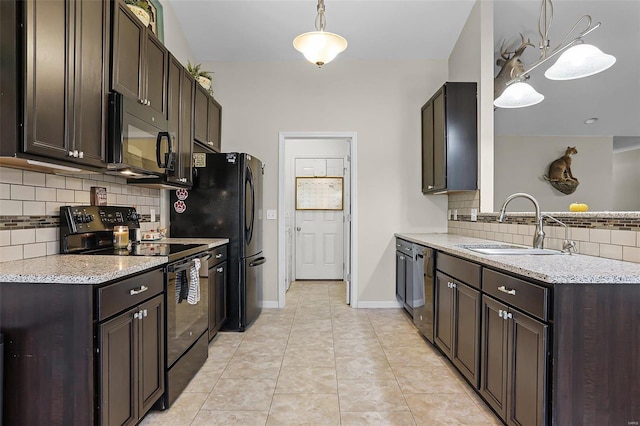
526,296
465,271
404,246
218,254
121,295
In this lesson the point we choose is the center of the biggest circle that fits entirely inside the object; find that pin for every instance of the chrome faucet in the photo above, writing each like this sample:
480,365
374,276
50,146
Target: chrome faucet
568,246
538,237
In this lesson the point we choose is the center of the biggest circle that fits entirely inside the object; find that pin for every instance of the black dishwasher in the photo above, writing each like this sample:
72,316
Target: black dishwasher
423,274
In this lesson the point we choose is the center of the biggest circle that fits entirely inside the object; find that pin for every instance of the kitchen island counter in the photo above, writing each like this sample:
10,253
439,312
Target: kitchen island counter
550,269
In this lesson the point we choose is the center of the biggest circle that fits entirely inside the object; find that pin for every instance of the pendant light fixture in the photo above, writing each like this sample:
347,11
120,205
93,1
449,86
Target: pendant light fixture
577,60
320,47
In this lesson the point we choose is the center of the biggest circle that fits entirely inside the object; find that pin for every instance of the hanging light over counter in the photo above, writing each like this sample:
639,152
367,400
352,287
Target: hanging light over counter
320,47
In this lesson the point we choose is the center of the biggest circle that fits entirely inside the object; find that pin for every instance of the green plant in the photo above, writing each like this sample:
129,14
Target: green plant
196,72
143,4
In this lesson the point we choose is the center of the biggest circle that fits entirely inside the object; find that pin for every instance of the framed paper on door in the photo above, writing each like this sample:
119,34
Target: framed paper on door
319,193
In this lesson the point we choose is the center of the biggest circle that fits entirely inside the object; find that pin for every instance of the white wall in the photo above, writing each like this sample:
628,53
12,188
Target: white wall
521,162
174,38
626,180
380,101
472,60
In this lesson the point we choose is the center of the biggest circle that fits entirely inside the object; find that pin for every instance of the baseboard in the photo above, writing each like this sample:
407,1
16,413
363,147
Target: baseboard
378,304
270,304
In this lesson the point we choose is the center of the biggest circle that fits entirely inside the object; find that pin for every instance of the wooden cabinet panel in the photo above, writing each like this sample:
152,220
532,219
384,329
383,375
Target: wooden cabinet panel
449,139
48,60
67,45
91,77
527,370
214,114
217,297
180,98
444,314
493,383
466,347
128,44
151,377
119,369
186,127
201,115
463,270
156,73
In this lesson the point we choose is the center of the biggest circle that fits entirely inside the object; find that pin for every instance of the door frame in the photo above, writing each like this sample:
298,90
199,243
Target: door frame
351,138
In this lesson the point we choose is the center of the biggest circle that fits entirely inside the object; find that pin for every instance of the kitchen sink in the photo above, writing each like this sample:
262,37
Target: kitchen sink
507,249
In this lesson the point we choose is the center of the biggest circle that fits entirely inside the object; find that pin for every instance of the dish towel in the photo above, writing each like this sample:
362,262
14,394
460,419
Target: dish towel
194,283
182,286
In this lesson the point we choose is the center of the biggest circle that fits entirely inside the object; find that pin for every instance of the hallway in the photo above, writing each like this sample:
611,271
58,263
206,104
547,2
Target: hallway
320,362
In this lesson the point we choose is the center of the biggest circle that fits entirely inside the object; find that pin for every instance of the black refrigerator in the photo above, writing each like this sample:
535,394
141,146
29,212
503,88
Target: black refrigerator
226,202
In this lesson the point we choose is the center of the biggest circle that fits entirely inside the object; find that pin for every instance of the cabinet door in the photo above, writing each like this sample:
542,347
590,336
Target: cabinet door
427,147
151,359
527,370
466,329
91,80
173,112
439,143
221,294
128,53
186,127
444,313
49,49
155,72
401,269
493,371
214,118
119,369
201,115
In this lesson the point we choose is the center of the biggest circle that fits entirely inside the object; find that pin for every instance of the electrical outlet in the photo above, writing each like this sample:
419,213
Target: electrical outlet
449,214
272,214
474,215
455,214
153,215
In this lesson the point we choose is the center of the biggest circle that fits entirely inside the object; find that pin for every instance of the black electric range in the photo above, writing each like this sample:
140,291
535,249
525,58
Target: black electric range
89,230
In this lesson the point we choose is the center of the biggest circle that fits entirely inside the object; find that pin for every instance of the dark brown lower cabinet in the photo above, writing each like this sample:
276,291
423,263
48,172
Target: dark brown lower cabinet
132,362
514,364
217,298
457,326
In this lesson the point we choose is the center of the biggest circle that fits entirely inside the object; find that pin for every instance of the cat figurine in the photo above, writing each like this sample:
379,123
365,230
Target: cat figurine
560,169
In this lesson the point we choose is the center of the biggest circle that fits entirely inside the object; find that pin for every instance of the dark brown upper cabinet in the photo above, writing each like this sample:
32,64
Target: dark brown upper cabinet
66,76
450,139
140,61
207,117
180,109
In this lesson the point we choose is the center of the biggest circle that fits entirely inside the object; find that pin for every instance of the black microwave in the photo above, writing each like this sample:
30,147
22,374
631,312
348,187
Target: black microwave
139,143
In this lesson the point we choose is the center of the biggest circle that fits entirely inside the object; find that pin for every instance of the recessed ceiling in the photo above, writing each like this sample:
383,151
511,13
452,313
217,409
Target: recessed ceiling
249,30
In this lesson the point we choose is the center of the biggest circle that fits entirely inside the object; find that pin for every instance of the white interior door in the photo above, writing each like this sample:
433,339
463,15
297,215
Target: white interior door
319,233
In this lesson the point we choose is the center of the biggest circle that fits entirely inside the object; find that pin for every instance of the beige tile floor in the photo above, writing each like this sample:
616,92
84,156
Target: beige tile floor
320,362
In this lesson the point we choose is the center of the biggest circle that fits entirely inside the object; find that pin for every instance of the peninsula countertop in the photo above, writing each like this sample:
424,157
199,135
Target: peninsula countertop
88,269
551,269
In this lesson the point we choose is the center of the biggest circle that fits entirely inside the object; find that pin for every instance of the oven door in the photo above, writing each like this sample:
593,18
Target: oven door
187,317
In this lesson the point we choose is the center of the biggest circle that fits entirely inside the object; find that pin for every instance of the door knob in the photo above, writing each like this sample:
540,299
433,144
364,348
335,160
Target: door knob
298,228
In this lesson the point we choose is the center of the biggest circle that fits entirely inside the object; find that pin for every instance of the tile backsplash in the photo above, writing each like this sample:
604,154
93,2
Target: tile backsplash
30,207
614,235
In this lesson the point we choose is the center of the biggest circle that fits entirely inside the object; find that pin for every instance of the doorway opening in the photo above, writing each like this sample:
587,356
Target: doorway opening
317,205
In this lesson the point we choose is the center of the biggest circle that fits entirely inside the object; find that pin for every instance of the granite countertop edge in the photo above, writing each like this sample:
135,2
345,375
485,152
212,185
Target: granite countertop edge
72,268
555,269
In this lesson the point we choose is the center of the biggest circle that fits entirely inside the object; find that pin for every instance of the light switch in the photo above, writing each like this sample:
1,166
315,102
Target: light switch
449,214
455,214
153,215
474,215
272,214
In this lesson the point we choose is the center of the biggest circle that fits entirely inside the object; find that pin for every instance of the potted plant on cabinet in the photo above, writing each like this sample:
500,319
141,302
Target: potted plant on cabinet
141,9
201,76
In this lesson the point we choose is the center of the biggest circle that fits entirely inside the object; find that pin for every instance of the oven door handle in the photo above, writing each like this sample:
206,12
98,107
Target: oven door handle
259,261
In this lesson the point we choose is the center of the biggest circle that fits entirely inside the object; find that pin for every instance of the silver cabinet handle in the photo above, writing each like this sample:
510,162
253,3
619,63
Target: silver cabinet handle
148,102
135,315
218,256
141,101
507,290
81,154
220,270
142,289
70,154
500,312
299,229
430,187
144,313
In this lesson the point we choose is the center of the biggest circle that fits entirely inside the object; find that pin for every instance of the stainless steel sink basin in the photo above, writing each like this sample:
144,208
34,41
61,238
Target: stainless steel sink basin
507,249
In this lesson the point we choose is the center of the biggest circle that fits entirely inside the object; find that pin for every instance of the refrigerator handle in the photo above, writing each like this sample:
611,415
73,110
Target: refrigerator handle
259,261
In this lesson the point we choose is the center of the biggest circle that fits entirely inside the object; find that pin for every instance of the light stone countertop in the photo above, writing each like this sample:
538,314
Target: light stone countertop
552,269
88,269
